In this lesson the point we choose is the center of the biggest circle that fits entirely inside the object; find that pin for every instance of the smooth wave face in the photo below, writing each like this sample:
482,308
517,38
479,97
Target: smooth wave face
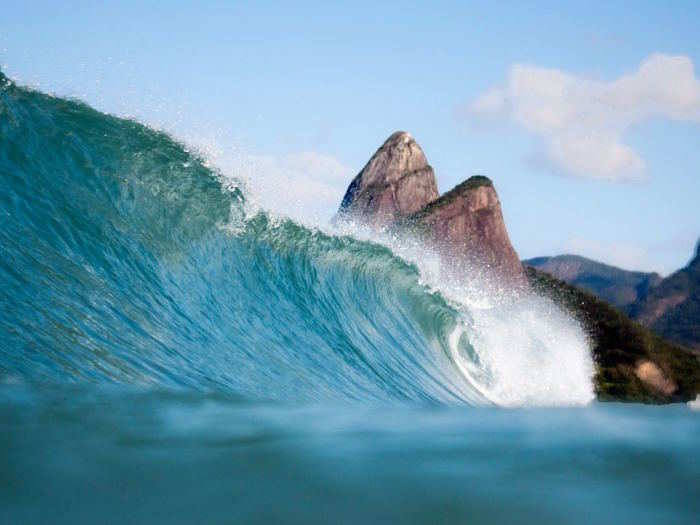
127,259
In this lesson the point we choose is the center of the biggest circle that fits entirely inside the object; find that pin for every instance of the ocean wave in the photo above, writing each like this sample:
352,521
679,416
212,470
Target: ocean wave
128,259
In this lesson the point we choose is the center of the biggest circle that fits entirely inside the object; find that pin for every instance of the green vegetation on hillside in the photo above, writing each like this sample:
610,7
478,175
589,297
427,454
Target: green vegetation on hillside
619,345
471,183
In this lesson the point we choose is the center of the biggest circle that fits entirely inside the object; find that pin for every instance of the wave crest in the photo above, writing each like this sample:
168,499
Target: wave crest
128,259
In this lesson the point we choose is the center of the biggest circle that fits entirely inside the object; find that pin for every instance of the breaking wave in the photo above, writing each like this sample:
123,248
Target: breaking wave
128,259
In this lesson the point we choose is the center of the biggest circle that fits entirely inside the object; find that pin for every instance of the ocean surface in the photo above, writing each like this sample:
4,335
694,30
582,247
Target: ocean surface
171,353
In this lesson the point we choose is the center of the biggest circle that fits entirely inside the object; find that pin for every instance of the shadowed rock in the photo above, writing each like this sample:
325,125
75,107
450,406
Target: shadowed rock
396,182
672,308
466,224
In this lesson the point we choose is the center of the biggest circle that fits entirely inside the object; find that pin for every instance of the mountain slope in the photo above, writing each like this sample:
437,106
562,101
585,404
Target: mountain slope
617,286
672,309
395,182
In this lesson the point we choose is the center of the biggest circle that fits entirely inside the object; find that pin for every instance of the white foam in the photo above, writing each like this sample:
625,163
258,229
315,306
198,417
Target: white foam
523,350
531,353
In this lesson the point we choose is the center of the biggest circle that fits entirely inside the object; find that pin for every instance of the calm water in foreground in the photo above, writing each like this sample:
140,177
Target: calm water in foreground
122,455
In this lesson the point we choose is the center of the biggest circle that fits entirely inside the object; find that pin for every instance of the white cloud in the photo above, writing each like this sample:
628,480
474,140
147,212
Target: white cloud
583,120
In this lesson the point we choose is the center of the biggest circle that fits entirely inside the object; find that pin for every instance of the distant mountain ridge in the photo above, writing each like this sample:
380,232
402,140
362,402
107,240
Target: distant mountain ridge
619,287
672,308
669,306
632,363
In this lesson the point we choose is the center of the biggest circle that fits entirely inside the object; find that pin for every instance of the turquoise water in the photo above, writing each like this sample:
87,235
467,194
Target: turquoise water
169,354
115,455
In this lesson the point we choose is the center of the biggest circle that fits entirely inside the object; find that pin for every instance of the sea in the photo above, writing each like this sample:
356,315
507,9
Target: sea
172,353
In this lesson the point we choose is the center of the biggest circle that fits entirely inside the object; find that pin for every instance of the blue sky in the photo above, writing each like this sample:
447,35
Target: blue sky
585,116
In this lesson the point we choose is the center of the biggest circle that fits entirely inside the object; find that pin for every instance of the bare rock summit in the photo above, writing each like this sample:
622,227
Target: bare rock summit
467,225
396,182
397,189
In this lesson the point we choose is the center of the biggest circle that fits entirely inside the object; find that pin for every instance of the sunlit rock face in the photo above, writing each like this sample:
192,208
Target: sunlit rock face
396,182
467,224
397,188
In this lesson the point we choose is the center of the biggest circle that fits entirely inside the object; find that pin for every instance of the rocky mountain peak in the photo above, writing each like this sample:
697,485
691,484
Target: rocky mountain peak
396,182
467,224
397,187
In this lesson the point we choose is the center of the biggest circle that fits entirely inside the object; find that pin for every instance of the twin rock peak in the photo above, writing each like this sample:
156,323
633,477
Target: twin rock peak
397,189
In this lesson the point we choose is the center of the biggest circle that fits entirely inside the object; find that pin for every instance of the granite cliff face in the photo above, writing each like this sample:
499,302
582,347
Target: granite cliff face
467,225
397,189
396,182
